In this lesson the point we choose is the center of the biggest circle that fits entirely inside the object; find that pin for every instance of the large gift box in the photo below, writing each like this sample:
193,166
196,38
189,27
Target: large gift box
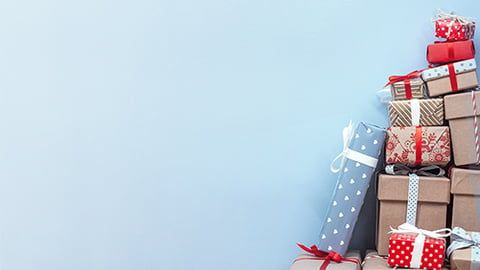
466,199
411,247
373,261
416,112
407,86
418,146
464,250
454,27
462,112
450,78
421,200
313,259
440,53
362,147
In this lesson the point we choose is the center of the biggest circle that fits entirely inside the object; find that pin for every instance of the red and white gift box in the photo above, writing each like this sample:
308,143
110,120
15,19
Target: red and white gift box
416,248
454,27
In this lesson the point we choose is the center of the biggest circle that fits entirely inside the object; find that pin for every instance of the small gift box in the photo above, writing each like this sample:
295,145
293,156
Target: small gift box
453,27
407,86
411,247
418,146
418,196
362,147
416,112
462,112
441,53
466,192
450,78
373,261
464,250
314,259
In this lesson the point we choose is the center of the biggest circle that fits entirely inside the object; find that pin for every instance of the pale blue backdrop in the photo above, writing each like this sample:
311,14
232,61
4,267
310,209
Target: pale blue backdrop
186,134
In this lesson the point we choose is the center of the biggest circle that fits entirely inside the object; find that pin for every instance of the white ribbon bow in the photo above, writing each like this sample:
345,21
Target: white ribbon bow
409,228
347,153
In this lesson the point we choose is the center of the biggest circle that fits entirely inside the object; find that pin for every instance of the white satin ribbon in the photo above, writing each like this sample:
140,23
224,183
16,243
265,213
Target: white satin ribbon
415,111
347,153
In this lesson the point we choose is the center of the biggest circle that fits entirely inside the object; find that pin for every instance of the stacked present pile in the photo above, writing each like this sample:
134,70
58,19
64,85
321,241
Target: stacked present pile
433,130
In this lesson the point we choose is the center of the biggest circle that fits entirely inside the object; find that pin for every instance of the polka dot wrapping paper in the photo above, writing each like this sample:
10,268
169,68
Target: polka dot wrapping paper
405,250
353,180
453,30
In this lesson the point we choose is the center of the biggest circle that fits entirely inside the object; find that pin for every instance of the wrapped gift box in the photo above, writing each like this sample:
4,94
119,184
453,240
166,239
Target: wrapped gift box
453,29
308,261
445,52
408,89
373,261
466,199
433,198
416,112
450,78
461,110
464,250
363,147
418,146
405,248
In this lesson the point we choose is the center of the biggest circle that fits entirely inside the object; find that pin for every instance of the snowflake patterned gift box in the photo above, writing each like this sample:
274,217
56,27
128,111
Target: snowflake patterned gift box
416,112
411,247
407,86
418,146
362,147
466,196
464,250
453,27
447,79
314,259
440,53
462,111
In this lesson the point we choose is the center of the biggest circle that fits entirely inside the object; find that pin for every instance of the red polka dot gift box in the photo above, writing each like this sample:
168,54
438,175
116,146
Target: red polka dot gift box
453,27
416,248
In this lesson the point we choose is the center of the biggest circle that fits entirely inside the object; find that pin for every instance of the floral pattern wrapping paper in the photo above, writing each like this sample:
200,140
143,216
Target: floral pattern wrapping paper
418,146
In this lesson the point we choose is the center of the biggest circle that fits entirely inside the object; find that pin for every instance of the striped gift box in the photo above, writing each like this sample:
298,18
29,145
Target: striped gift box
416,112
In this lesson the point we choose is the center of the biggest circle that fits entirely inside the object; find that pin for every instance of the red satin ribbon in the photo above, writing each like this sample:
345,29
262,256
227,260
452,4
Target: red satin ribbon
418,145
451,52
326,256
453,77
406,80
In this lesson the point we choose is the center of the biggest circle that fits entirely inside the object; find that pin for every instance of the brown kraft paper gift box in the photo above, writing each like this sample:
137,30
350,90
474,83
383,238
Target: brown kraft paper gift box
416,112
417,89
459,111
466,199
452,77
433,198
373,261
461,259
307,261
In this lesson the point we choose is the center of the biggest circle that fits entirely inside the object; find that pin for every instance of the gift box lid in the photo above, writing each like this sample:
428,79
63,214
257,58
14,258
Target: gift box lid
430,189
461,105
465,181
442,71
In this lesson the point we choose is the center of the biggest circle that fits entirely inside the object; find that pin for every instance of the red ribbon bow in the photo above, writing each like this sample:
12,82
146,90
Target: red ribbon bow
326,256
406,79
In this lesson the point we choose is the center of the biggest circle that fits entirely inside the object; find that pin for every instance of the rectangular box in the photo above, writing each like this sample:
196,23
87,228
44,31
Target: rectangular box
418,146
416,112
408,89
450,78
307,261
466,199
440,53
366,142
373,261
459,111
464,252
433,198
453,29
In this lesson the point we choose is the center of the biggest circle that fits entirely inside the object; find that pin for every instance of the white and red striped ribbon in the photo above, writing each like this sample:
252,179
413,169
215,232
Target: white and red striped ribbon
475,124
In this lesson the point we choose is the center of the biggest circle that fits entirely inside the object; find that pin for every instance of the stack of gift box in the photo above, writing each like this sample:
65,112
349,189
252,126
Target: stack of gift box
431,152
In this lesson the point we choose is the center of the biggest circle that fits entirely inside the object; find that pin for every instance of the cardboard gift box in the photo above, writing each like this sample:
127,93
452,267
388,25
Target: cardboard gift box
461,111
464,250
362,147
466,199
453,28
393,192
373,261
308,261
416,112
447,79
407,86
440,53
418,146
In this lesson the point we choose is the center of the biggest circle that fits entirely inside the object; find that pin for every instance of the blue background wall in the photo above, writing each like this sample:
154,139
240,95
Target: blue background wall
186,134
